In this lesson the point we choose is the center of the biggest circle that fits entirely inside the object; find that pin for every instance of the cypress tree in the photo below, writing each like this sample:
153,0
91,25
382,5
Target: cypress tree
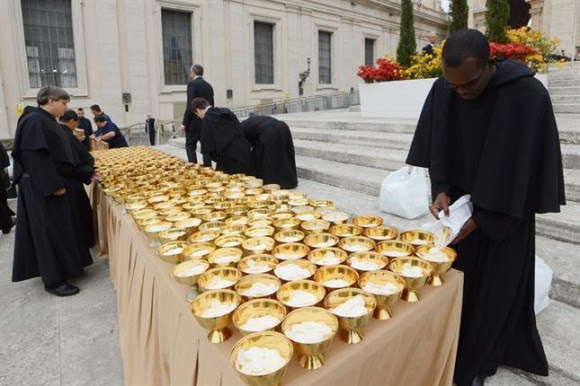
496,17
407,44
459,15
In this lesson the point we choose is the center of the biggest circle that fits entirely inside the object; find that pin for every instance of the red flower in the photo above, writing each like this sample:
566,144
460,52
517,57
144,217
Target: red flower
385,71
515,51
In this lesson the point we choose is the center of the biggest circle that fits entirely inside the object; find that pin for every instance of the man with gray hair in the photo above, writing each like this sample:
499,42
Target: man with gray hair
428,49
196,87
48,230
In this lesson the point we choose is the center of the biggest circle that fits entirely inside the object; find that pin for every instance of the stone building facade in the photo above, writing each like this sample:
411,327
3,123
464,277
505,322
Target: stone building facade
130,56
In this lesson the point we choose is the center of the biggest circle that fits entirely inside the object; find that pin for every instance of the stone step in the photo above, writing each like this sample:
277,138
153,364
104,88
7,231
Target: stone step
565,90
567,108
387,160
566,99
571,82
560,256
352,123
564,226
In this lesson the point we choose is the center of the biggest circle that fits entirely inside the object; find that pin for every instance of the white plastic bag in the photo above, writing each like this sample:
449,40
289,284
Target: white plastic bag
405,193
543,282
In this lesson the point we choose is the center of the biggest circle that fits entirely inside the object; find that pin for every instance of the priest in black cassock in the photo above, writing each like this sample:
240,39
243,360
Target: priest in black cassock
488,129
47,238
83,173
272,150
223,139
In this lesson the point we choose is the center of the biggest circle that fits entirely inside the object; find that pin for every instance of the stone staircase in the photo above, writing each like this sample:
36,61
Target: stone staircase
564,85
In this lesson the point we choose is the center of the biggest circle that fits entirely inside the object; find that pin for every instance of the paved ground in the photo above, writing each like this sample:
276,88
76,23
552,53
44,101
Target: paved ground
47,340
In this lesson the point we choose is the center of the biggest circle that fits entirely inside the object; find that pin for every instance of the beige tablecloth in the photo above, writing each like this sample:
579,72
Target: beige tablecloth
161,343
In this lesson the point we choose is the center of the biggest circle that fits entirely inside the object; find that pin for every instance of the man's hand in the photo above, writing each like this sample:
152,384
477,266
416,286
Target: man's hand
96,177
465,231
182,128
441,203
60,192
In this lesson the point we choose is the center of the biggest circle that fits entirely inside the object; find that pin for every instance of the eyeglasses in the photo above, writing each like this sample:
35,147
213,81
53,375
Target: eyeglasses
471,85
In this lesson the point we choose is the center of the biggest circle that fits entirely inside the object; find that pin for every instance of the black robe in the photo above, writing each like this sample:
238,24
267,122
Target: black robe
223,139
82,173
272,150
48,241
5,212
503,149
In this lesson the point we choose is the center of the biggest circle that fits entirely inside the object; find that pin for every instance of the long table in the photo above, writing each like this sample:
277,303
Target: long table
162,344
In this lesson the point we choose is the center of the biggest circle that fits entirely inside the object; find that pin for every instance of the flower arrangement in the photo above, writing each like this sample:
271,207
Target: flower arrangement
530,47
426,65
387,69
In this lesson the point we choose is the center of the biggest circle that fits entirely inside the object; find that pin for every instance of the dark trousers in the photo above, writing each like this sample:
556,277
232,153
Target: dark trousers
151,136
191,140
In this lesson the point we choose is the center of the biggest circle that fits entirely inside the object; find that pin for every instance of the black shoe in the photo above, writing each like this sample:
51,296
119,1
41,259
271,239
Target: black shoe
478,381
9,227
62,289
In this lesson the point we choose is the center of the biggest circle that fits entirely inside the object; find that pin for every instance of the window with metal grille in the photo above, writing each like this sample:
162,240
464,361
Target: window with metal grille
48,37
264,53
324,57
369,52
177,46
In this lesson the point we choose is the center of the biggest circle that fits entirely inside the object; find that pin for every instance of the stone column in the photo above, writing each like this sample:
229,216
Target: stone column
536,12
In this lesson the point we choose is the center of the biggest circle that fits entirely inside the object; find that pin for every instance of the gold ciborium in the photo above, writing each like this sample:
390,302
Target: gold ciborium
203,237
336,276
172,234
245,316
441,261
266,339
355,244
291,294
225,257
198,251
212,226
257,245
395,248
307,215
289,236
261,263
307,270
336,217
152,231
367,261
230,241
315,226
189,224
381,233
417,237
287,223
261,285
327,256
213,311
172,252
346,230
233,229
351,326
311,352
188,273
387,288
219,278
290,251
367,221
405,267
321,240
259,231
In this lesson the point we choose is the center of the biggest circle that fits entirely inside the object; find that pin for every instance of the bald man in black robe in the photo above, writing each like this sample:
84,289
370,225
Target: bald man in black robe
272,150
223,139
488,129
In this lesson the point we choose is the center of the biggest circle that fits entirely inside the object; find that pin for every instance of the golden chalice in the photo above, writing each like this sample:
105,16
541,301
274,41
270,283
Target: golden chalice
346,230
415,272
315,226
297,269
335,217
260,285
172,234
381,233
190,224
213,311
387,288
260,263
219,278
417,237
311,348
233,229
395,248
301,293
355,244
367,221
198,251
441,260
203,237
327,256
321,240
284,224
188,273
225,257
289,236
336,276
307,215
290,251
367,261
212,226
172,252
259,231
262,340
230,241
259,315
351,319
257,245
